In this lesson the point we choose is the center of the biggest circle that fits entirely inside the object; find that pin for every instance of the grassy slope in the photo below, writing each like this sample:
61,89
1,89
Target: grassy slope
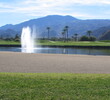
61,43
46,86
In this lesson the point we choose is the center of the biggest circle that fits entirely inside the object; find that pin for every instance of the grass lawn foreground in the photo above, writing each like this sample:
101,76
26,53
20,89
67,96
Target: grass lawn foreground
54,86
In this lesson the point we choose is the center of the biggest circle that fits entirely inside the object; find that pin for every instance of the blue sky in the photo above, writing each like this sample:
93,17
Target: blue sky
16,11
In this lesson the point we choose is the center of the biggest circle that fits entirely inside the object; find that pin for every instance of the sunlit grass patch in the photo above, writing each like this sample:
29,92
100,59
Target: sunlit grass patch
54,86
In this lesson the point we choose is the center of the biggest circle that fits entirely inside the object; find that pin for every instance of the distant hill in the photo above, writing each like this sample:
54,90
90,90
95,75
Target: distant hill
105,36
8,33
100,31
7,26
57,23
50,20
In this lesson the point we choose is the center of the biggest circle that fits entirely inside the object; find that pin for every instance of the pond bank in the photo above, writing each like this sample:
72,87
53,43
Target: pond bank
62,46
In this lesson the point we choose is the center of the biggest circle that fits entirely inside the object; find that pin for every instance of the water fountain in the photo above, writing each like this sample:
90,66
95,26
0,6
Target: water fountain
28,40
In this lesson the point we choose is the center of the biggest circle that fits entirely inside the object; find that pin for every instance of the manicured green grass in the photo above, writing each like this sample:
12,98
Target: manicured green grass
105,41
3,42
61,43
72,43
54,86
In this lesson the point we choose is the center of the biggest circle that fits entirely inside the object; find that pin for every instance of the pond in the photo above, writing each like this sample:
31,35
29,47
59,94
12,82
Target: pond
59,50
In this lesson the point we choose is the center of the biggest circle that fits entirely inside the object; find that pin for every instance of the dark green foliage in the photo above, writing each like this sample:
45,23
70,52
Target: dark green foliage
17,37
54,39
92,38
86,38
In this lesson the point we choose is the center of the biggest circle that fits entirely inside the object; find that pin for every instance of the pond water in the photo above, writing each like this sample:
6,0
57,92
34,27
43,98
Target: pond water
57,50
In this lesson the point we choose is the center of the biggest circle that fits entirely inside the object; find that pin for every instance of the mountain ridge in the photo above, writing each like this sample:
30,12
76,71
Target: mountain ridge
57,24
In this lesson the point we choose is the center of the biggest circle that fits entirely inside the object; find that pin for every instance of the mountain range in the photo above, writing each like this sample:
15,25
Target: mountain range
57,23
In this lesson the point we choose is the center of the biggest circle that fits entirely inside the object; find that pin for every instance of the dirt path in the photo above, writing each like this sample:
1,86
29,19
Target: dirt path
53,63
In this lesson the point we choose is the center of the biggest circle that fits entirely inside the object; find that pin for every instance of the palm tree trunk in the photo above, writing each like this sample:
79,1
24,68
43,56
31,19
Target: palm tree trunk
48,35
67,35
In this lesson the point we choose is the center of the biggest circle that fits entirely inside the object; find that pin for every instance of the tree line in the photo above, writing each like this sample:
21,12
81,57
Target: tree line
64,36
75,37
8,38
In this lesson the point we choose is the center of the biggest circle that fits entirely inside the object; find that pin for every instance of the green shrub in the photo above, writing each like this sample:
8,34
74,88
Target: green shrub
92,38
86,38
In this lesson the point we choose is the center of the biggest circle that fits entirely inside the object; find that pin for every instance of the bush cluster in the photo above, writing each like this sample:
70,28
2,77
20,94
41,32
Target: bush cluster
86,38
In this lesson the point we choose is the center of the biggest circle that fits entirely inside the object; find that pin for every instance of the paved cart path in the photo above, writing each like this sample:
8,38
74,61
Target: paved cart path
53,63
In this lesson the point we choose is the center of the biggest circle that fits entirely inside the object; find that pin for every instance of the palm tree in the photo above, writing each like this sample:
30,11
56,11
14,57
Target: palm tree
64,33
89,33
48,29
66,28
76,36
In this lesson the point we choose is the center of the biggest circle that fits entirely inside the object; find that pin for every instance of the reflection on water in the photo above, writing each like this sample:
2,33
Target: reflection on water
82,51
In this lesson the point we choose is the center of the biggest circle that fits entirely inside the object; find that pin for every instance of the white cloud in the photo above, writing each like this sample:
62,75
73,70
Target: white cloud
49,7
66,2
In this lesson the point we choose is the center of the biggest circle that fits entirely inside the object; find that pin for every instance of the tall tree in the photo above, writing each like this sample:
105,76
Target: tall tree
64,34
67,27
48,29
17,38
89,33
76,36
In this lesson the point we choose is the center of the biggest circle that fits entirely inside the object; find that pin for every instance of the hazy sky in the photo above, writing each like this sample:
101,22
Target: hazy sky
16,11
